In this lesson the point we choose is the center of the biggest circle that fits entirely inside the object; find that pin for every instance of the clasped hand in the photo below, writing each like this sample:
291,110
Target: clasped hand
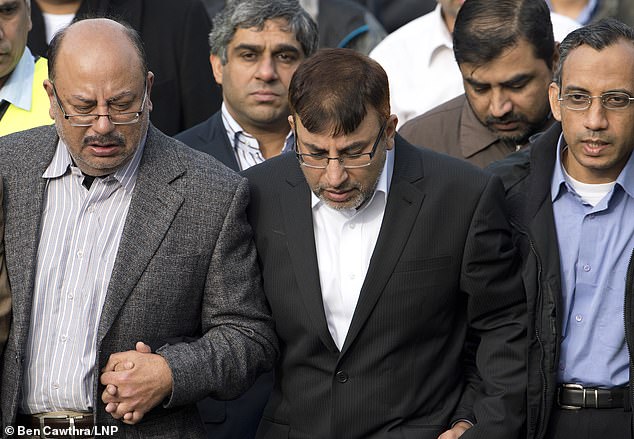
136,381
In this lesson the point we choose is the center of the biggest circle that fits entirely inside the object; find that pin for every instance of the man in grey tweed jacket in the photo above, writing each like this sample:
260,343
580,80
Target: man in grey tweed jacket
183,263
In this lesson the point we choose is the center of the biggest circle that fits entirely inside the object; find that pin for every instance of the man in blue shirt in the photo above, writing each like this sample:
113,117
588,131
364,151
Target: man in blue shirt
571,200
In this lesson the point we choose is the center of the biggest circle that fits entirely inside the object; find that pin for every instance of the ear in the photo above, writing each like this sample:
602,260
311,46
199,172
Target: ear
553,97
390,130
216,67
150,82
48,87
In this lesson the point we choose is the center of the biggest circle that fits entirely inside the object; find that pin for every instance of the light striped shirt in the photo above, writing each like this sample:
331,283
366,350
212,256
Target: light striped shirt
245,146
80,234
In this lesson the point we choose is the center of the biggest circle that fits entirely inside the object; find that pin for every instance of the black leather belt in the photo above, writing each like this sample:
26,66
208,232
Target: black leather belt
57,423
575,396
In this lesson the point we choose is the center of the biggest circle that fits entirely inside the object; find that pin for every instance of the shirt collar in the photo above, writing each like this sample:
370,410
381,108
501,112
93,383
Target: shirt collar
474,136
241,139
126,176
625,178
18,88
382,186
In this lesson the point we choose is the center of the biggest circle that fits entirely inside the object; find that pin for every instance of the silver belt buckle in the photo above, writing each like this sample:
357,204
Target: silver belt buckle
571,386
71,425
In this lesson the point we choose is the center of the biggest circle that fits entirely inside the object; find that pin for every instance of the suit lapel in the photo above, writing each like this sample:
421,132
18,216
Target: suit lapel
298,222
403,206
153,207
23,217
219,143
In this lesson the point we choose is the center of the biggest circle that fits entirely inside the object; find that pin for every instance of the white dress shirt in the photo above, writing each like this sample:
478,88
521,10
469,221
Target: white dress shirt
419,61
345,240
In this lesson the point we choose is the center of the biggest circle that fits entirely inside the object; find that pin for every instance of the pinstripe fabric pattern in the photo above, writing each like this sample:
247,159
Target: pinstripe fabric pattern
245,146
79,239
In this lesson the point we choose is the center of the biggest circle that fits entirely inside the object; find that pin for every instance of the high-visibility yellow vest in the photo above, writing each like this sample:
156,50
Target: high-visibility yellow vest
16,119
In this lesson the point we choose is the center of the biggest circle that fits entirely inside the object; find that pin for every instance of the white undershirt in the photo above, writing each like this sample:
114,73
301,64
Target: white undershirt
55,22
590,193
345,241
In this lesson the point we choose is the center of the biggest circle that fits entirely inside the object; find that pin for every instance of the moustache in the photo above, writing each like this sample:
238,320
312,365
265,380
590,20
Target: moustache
109,139
343,188
508,117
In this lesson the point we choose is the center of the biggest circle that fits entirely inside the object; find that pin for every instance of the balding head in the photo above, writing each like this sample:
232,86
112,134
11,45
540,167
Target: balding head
98,37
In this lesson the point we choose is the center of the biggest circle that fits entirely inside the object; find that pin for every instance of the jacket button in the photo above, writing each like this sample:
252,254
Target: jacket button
342,377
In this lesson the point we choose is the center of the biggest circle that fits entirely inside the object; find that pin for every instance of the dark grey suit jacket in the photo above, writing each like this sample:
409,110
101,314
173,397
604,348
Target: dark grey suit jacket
443,262
237,419
186,267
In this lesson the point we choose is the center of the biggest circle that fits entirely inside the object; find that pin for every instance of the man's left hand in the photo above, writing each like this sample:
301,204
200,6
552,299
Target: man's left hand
136,382
456,431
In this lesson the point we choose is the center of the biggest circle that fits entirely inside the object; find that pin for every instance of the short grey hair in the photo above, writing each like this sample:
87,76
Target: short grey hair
598,35
246,14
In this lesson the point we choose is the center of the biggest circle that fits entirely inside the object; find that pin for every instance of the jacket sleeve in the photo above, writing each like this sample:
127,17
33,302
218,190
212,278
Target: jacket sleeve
238,341
497,322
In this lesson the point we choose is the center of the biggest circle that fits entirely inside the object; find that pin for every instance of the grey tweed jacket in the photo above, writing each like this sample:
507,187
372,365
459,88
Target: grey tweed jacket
186,267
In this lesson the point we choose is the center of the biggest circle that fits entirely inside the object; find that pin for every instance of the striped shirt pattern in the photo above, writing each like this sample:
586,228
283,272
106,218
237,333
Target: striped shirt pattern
245,146
80,235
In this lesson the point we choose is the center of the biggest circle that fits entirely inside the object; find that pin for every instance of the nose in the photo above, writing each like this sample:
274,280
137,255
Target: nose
595,117
267,70
499,104
103,124
336,174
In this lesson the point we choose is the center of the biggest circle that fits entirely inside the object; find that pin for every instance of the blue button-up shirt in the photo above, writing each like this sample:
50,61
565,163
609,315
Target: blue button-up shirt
595,245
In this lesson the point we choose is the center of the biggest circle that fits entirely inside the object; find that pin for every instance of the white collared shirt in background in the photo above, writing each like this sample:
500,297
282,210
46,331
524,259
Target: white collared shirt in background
53,23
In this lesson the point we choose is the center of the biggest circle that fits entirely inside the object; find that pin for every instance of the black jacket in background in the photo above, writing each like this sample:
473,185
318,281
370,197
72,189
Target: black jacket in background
175,38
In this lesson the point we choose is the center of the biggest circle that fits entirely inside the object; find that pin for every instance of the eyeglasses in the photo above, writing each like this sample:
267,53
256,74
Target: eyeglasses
614,100
86,120
348,161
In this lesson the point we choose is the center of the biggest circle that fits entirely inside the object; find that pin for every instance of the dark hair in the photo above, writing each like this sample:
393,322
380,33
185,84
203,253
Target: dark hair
131,33
254,13
333,89
599,35
486,28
